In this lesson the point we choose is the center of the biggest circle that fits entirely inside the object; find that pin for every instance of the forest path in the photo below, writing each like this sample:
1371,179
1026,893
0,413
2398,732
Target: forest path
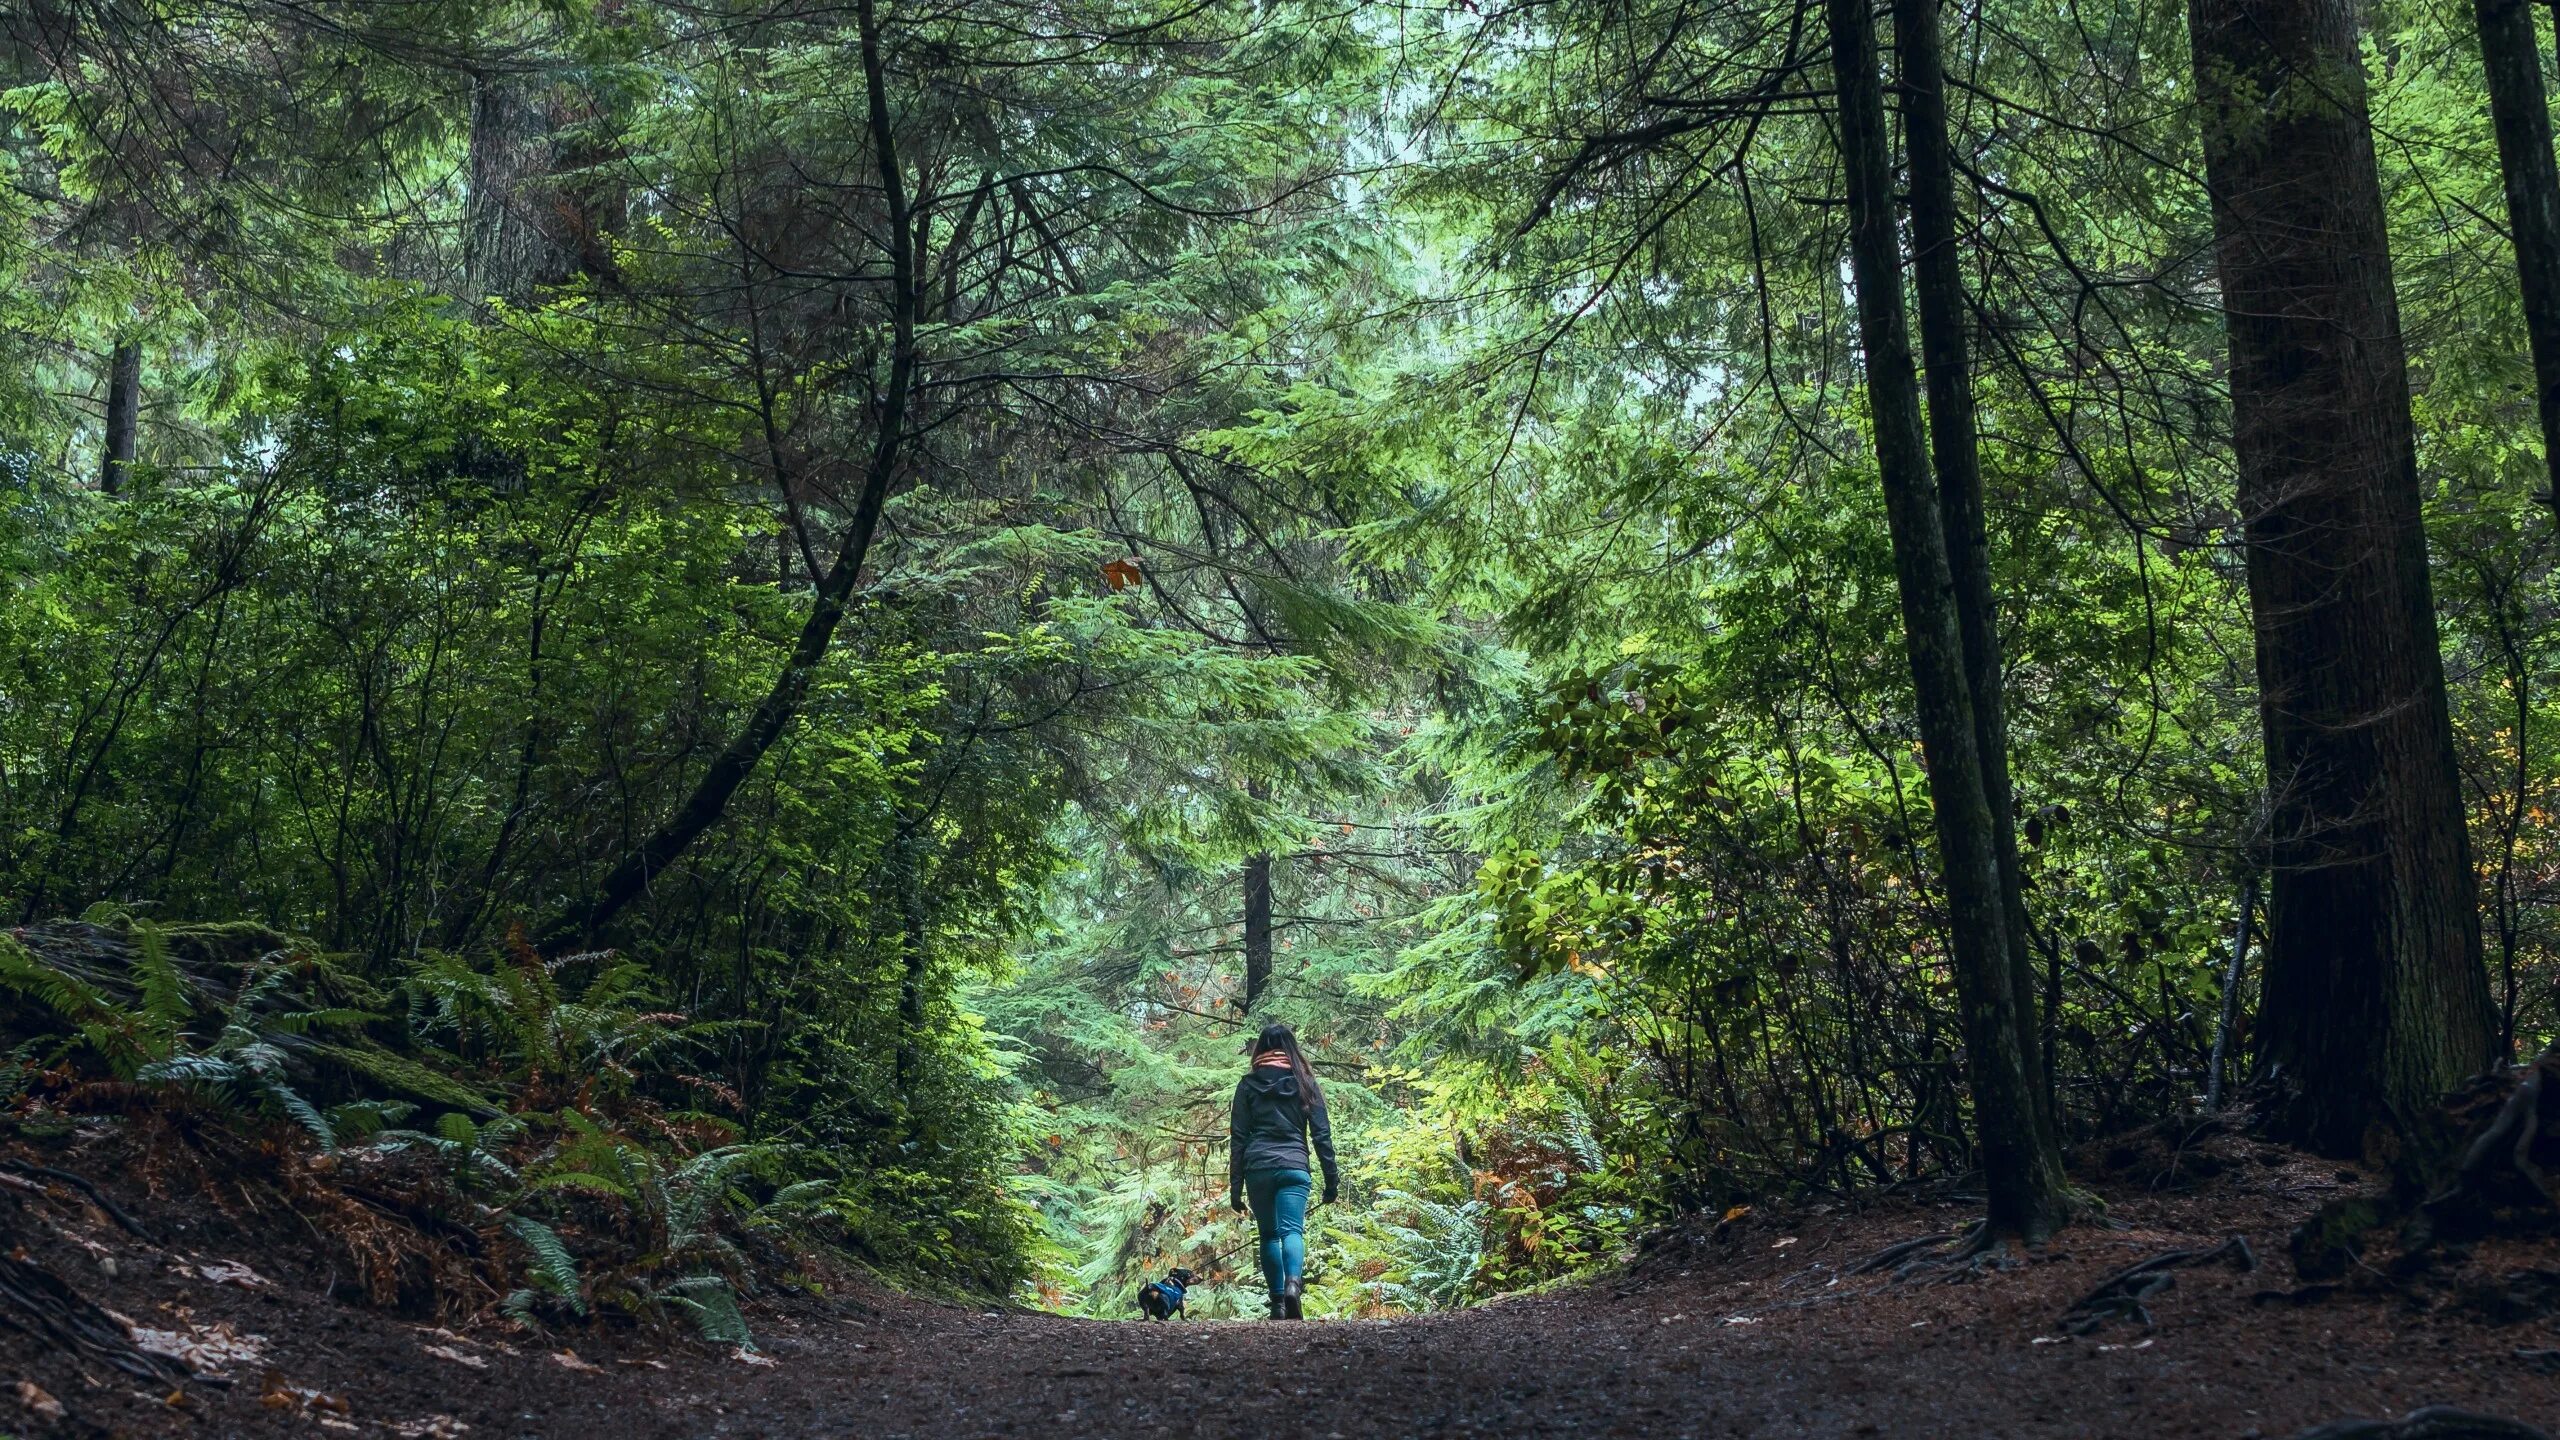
1757,1328
1763,1334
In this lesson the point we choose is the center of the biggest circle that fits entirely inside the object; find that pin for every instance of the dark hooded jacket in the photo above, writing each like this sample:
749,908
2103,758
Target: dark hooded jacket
1270,1124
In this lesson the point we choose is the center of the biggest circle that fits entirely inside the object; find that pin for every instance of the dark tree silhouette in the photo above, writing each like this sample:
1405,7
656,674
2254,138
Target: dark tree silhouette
2375,997
2022,1167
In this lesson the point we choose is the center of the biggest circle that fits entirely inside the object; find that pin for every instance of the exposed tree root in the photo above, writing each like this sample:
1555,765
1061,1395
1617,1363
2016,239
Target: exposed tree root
2500,1178
2504,1165
2436,1422
1971,1251
38,1302
2120,1295
1895,1253
96,1196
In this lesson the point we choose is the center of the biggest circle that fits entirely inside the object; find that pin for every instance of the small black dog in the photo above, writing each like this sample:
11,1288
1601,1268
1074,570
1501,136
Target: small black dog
1162,1299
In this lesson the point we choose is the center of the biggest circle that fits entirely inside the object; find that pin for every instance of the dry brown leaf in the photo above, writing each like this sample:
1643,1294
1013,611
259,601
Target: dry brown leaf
33,1396
447,1352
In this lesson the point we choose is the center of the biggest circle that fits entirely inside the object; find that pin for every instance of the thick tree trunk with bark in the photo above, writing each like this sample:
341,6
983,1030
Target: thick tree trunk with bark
1257,928
1938,279
513,241
2375,995
2512,58
536,214
124,415
2022,1169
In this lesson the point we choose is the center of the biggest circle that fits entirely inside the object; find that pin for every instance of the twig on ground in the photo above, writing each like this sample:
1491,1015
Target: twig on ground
38,1302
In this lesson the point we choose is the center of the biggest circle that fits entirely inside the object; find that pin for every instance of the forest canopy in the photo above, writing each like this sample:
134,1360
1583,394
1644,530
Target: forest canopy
1717,601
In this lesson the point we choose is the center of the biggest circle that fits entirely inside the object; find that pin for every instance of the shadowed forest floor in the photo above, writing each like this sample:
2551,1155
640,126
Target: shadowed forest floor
1756,1329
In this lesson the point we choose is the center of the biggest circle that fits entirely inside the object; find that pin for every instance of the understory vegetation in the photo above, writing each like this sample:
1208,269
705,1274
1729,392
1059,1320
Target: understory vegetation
639,637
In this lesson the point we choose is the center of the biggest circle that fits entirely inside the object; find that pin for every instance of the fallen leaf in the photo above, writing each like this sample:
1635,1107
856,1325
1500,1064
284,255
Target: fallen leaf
232,1272
33,1396
281,1394
447,1352
433,1427
569,1359
1783,1244
205,1349
745,1356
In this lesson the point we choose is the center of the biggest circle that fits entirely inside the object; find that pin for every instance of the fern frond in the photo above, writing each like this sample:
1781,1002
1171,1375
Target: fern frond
180,1069
715,1309
163,989
586,1180
304,1113
553,1268
110,1029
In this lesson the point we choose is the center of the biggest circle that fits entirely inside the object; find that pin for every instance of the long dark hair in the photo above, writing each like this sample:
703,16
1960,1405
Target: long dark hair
1276,1036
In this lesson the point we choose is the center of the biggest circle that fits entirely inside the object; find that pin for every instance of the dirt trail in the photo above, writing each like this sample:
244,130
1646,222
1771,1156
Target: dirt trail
1757,1342
1762,1331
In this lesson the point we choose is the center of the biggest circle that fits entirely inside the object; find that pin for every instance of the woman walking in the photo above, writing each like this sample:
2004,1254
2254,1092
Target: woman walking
1278,1105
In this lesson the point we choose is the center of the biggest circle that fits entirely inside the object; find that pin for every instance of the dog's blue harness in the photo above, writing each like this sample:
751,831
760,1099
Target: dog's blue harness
1168,1292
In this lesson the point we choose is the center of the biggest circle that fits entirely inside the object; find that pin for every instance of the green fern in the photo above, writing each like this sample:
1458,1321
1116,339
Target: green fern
104,1026
468,1148
552,1268
714,1307
585,1180
364,1119
1435,1255
163,1000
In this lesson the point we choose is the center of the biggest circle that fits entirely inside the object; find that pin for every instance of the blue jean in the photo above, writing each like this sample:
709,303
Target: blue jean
1279,1200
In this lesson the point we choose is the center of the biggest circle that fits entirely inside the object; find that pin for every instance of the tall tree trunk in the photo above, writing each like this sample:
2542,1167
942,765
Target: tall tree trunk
2375,998
538,211
124,415
738,760
1257,928
2512,58
1938,276
513,239
2022,1169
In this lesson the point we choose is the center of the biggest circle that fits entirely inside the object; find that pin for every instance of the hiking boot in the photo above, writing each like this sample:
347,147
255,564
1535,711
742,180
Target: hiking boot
1291,1296
1279,1308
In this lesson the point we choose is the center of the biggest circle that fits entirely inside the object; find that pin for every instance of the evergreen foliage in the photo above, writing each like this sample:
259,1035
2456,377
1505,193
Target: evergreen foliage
1056,459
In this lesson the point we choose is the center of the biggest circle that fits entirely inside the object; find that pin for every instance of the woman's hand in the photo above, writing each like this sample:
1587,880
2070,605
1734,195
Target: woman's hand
1235,1201
1329,1193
